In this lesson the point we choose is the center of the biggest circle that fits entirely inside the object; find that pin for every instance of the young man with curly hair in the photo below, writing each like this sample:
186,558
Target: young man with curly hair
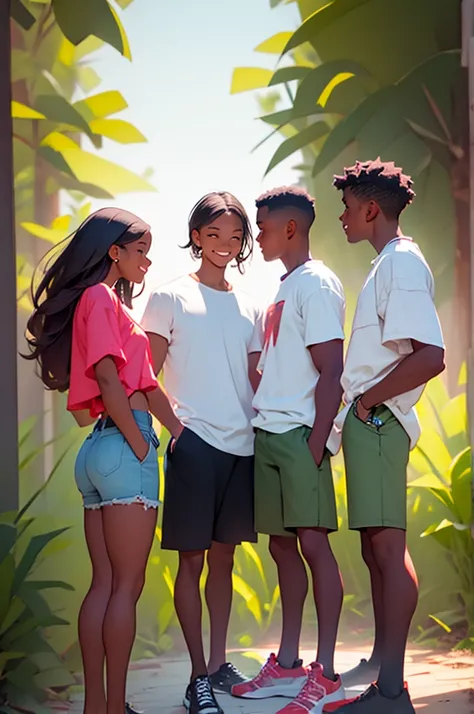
396,347
297,400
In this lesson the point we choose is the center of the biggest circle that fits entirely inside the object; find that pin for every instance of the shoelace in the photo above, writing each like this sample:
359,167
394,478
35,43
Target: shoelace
311,690
231,668
268,668
204,692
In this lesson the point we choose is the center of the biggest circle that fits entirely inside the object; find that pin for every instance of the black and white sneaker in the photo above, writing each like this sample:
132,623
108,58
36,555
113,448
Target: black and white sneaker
226,677
199,697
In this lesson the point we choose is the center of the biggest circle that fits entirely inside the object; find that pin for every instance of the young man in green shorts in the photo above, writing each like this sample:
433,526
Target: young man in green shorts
296,402
396,346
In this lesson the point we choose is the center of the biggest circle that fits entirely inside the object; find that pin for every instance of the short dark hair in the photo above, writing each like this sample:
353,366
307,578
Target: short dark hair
288,197
378,181
212,206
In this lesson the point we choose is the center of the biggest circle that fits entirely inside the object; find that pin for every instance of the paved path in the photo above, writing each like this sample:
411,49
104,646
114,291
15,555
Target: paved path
439,684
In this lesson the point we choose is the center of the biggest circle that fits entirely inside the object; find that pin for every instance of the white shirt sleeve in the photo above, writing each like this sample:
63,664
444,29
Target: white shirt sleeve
405,303
158,315
256,343
323,316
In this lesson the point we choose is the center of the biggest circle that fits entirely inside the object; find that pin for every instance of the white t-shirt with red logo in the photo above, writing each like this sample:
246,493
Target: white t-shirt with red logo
308,309
210,335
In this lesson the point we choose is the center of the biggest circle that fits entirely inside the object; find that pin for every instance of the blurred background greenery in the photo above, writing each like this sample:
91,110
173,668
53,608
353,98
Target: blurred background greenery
350,79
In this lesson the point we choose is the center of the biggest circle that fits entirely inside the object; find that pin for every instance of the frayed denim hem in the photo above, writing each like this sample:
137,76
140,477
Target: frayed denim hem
146,502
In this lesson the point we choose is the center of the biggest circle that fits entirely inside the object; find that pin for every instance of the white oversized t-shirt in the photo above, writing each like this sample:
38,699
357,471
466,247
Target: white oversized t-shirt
395,306
210,335
309,309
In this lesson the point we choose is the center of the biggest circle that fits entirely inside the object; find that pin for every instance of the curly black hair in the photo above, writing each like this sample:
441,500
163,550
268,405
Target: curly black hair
378,181
210,207
288,197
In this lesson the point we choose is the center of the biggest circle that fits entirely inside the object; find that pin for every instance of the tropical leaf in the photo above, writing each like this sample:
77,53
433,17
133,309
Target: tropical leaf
21,15
91,169
317,80
303,138
57,109
117,130
51,235
101,105
21,111
7,539
250,596
15,611
274,44
87,78
91,17
245,79
347,130
33,550
320,20
289,74
278,118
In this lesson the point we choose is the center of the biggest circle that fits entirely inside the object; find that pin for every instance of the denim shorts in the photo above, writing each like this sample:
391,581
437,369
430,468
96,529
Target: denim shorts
107,471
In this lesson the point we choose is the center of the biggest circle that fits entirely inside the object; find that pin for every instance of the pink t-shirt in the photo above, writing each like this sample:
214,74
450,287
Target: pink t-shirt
103,328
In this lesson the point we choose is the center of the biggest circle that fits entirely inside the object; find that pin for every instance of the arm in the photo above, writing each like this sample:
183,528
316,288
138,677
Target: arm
328,359
158,400
424,363
83,417
254,374
117,405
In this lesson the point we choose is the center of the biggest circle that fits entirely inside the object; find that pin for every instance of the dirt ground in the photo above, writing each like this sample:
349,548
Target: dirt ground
438,683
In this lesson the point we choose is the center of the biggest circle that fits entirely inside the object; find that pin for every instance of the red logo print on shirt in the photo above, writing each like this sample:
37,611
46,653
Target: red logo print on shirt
272,323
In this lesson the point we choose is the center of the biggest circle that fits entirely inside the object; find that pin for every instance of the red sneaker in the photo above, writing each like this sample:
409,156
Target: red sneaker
273,680
316,691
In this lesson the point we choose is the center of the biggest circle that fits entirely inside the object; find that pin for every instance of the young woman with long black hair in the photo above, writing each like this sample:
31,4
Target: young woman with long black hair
86,342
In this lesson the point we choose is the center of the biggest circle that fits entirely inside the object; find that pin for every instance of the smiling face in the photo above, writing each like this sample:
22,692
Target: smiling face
131,259
221,240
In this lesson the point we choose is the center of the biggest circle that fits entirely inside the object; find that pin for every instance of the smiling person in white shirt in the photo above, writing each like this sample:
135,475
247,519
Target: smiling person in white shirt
396,347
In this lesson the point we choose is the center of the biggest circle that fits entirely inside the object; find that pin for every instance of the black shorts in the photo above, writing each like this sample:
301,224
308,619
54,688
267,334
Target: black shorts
209,496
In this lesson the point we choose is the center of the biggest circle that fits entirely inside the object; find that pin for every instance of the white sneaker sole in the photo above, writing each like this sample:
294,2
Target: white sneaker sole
278,690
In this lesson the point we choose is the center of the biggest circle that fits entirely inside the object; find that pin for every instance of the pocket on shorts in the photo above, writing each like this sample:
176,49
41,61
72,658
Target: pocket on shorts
106,454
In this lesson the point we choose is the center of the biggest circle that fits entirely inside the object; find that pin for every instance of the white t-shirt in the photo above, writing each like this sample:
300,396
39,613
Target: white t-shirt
308,309
210,335
396,305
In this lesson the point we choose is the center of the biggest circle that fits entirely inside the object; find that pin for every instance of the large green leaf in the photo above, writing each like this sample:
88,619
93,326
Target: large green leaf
245,79
6,657
461,484
49,585
320,20
278,118
118,130
303,138
30,625
315,83
33,550
91,17
101,105
347,130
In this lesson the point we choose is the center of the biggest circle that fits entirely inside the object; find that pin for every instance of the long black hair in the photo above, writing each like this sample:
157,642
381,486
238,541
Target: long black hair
83,261
210,207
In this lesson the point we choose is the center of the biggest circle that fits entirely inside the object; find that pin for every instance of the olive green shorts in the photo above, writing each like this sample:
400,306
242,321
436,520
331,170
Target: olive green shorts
290,490
376,460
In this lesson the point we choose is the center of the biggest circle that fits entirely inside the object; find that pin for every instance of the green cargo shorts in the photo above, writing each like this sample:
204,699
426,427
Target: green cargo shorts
376,460
290,490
